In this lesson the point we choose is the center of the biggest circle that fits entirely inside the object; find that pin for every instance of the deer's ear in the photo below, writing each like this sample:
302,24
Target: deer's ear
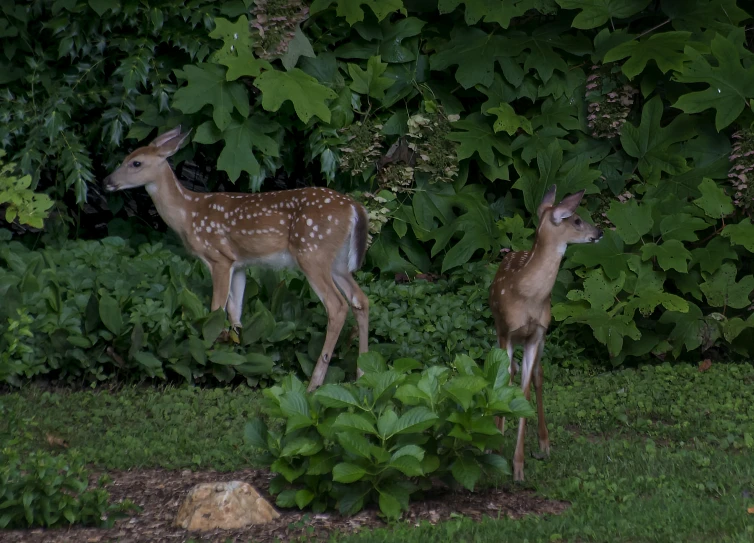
567,207
168,146
547,201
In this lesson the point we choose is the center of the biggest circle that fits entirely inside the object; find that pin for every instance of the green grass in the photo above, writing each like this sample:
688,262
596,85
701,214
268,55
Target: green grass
663,453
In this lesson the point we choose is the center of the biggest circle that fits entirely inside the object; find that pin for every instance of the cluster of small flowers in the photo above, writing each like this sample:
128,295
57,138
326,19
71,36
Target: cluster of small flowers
436,154
742,157
398,177
364,146
273,23
378,214
609,103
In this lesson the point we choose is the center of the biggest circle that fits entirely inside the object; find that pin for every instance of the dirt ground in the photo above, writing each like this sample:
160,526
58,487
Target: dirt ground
160,492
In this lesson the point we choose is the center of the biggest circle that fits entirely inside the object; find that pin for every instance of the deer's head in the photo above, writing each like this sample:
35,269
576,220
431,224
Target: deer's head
146,164
560,224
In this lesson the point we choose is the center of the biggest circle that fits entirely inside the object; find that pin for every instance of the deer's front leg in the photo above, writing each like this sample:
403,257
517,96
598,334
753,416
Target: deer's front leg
221,279
544,436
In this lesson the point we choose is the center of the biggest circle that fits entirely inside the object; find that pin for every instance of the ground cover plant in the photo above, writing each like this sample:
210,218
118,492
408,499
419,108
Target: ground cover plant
657,454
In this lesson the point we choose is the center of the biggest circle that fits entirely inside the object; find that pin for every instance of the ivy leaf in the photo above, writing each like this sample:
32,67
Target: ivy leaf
652,144
608,253
308,96
370,82
509,120
714,202
240,139
670,255
477,137
711,257
595,13
741,234
631,220
722,290
681,226
237,52
730,84
599,291
474,51
207,86
665,48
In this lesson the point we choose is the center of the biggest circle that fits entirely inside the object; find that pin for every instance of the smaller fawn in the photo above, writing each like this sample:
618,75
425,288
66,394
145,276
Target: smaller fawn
520,301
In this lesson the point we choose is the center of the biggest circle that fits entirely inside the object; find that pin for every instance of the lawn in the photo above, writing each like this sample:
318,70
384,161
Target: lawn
661,453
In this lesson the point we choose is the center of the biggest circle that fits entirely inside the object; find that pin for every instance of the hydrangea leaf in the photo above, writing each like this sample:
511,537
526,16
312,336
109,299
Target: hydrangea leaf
493,11
670,255
237,52
730,84
714,202
308,96
741,234
353,11
474,51
476,136
370,82
207,86
722,290
508,120
665,48
240,139
631,220
595,13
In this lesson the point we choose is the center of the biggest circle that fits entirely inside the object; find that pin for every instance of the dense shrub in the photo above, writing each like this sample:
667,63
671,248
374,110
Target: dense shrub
385,437
448,120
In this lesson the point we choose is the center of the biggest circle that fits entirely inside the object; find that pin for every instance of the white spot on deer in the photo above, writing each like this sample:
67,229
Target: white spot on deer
282,221
329,217
320,236
233,222
337,221
315,227
226,215
309,222
327,200
209,229
502,291
311,234
329,230
248,216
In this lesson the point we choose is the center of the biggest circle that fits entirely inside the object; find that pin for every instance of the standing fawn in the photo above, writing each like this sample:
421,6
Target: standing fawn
520,301
319,230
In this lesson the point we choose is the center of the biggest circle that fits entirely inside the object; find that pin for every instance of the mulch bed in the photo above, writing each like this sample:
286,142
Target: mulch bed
160,492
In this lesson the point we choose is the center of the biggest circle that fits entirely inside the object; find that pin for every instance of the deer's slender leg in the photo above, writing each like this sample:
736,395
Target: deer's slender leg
544,436
322,283
503,340
360,306
527,368
221,276
235,300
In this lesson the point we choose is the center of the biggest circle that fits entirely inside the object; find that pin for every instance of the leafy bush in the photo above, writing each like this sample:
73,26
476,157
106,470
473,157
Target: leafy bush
101,309
38,488
20,200
42,489
388,435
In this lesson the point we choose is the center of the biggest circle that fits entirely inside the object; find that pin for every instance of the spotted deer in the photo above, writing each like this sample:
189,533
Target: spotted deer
318,230
520,301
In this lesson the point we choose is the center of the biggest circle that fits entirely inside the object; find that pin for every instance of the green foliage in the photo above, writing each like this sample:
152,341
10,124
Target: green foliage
634,102
40,489
22,202
382,439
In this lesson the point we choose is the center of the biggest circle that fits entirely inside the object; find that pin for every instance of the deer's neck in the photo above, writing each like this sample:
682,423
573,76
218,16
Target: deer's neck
538,279
173,202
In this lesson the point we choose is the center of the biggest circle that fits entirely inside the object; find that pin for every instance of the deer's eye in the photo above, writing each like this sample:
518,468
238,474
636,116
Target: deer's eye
577,222
135,163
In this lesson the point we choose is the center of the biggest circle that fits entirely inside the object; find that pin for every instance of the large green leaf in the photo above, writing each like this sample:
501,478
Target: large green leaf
109,313
370,82
493,11
665,48
335,396
741,233
347,473
608,253
466,471
671,255
714,201
308,96
474,51
631,220
237,52
475,135
730,83
595,13
241,138
695,15
653,144
207,86
414,421
689,328
722,290
353,12
599,291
